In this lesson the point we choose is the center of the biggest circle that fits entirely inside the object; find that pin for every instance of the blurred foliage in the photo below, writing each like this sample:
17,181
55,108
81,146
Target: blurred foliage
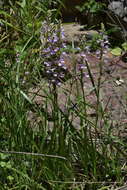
91,6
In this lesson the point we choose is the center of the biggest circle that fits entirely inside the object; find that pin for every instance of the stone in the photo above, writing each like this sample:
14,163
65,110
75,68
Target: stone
117,7
116,17
75,32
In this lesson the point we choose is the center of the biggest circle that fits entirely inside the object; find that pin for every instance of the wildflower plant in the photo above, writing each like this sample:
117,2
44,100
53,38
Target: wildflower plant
53,51
98,45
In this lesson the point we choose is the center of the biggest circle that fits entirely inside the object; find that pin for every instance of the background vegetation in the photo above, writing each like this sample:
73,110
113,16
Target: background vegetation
42,149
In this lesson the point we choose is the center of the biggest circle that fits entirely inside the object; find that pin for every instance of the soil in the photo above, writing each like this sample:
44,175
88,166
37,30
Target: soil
114,80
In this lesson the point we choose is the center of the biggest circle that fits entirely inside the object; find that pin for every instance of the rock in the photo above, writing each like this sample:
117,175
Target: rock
116,17
74,32
119,8
1,3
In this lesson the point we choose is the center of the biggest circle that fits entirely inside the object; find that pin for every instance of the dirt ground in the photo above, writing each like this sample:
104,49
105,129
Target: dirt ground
113,83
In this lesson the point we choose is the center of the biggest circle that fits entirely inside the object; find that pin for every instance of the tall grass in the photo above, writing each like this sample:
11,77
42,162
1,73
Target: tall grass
43,145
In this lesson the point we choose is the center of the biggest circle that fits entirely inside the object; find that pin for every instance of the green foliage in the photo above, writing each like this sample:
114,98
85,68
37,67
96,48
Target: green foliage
119,50
41,148
116,51
91,6
124,46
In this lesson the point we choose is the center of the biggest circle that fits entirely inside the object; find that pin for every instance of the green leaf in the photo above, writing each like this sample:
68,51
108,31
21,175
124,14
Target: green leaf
2,164
124,46
3,156
116,51
8,165
10,178
25,96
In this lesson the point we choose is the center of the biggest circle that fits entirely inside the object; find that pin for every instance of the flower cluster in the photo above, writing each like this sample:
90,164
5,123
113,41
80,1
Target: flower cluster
103,42
102,46
98,43
52,52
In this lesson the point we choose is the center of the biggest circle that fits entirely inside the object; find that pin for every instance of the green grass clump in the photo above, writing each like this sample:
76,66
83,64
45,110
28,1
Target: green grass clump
48,138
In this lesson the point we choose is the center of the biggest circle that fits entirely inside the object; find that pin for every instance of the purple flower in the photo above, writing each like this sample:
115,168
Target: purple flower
47,64
55,74
64,45
83,55
56,49
58,83
60,64
98,52
62,60
47,50
52,52
48,71
81,66
62,75
55,39
27,73
63,54
64,67
62,36
52,37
